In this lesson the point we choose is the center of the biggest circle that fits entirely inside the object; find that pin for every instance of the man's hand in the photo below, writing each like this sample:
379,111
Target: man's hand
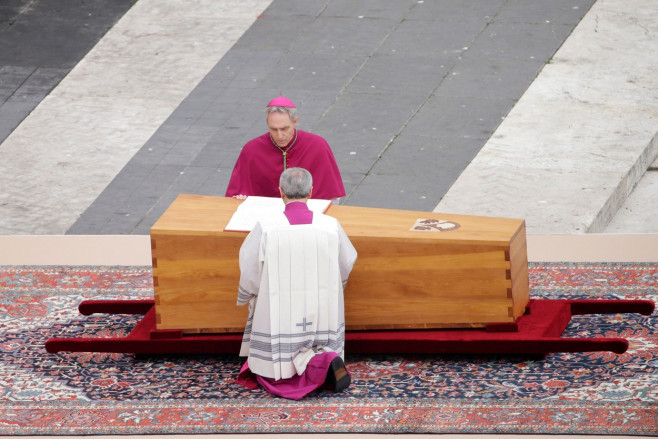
240,197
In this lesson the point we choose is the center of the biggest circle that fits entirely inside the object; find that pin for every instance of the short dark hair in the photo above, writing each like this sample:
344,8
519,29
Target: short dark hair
296,183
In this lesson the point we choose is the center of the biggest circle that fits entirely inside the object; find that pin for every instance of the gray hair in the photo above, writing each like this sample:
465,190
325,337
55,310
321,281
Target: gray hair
296,183
292,112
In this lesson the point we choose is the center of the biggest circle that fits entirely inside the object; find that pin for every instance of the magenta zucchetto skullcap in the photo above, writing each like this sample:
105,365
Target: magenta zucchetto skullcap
281,101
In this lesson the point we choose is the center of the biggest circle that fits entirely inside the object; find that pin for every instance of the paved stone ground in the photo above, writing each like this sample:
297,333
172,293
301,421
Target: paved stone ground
581,137
407,92
85,131
40,42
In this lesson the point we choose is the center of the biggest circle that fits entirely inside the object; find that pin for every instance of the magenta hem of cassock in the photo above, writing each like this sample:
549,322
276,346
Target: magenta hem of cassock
295,387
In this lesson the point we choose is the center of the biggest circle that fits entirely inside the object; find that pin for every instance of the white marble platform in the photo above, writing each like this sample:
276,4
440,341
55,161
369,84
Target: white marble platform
136,249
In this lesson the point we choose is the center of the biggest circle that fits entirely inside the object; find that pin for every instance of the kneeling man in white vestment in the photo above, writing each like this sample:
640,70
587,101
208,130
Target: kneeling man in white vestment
293,268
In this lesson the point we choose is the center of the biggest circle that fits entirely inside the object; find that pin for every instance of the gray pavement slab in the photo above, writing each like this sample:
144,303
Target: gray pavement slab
452,117
411,164
54,33
384,72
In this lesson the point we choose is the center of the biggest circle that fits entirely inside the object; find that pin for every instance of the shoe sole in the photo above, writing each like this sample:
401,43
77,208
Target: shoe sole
340,379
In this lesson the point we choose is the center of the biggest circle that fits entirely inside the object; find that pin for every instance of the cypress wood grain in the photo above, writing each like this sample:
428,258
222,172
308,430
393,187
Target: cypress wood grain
466,277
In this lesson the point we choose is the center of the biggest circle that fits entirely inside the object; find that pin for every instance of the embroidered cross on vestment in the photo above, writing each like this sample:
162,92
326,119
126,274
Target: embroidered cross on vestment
304,324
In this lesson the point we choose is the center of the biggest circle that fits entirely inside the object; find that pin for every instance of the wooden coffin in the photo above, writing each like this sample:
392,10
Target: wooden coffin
414,270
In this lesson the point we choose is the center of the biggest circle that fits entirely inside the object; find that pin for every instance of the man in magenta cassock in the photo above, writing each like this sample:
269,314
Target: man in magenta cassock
263,159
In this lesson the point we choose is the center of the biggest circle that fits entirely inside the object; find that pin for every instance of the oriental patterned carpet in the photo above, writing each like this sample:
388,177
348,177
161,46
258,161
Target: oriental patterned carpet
86,393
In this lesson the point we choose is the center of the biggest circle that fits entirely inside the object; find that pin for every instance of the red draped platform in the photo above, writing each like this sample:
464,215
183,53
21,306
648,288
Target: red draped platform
537,332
